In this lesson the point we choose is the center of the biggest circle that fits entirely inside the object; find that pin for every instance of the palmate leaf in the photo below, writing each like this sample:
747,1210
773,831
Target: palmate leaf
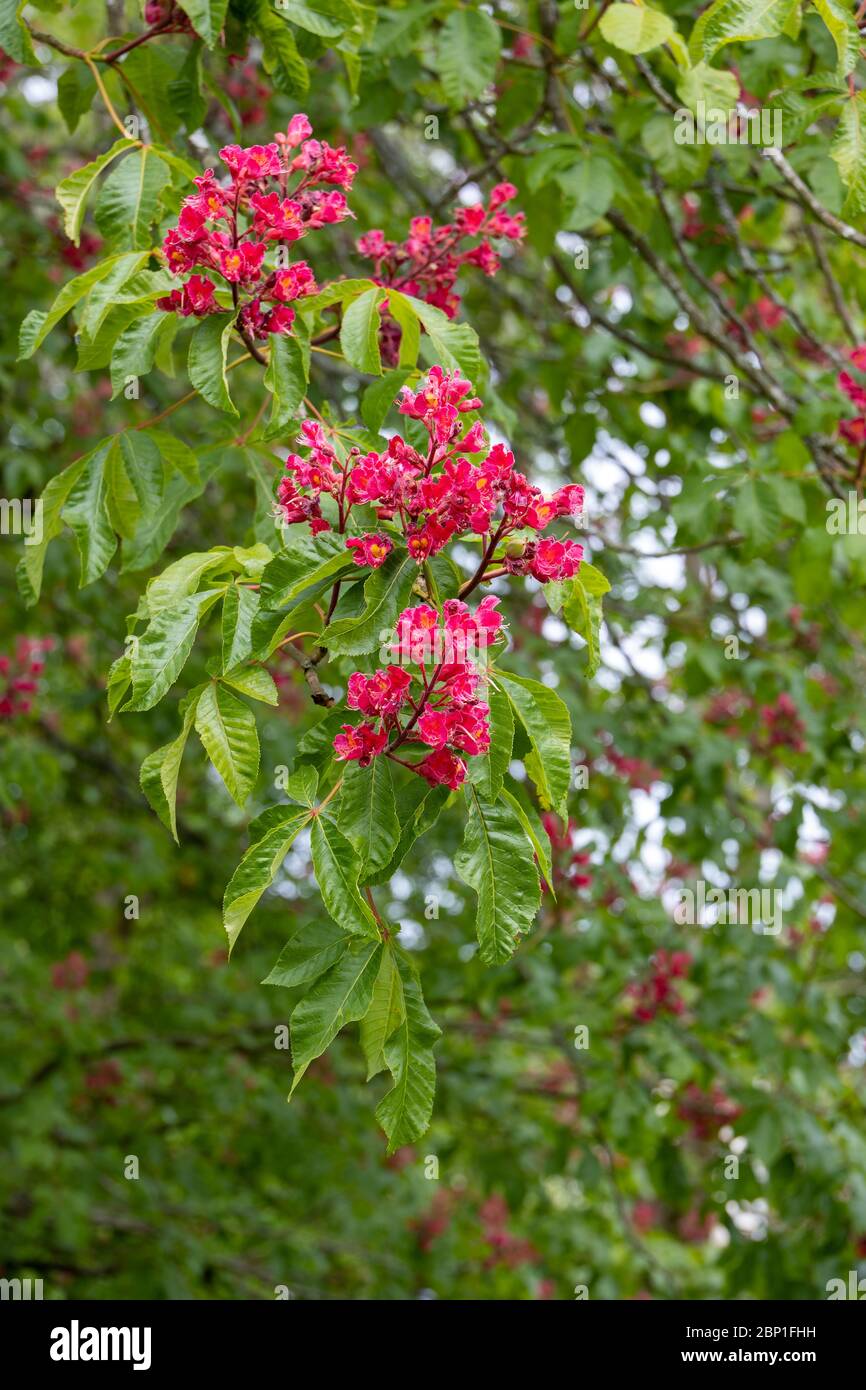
496,860
367,814
38,323
548,727
227,729
404,1113
342,995
274,832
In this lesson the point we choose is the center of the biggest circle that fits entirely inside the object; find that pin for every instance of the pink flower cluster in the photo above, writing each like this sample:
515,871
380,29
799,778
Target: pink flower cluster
440,706
274,197
20,675
854,429
427,263
436,495
657,992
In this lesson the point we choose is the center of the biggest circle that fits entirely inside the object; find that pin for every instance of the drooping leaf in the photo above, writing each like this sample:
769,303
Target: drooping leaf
160,769
359,332
286,378
386,1012
127,203
274,832
208,351
337,868
496,861
404,1113
160,653
73,191
312,949
487,771
227,728
207,18
547,722
367,815
342,995
418,808
86,514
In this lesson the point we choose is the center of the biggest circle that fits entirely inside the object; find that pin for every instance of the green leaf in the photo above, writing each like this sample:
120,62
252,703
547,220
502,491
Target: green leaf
582,611
127,203
496,861
275,832
14,37
403,313
756,513
75,92
239,609
342,995
378,398
286,378
53,500
404,1113
106,293
848,152
160,653
227,728
328,19
254,681
548,726
185,90
208,350
467,55
182,578
160,769
337,867
73,191
487,772
86,514
589,188
840,21
739,21
635,28
719,91
281,57
386,593
418,808
368,815
535,832
307,561
455,344
359,333
207,17
386,1012
312,949
37,325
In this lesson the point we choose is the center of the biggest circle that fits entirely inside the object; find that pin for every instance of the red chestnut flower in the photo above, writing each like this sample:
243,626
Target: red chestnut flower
437,495
427,263
433,708
274,197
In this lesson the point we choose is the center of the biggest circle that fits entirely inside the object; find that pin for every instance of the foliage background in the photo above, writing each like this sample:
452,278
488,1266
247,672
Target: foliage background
557,1167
